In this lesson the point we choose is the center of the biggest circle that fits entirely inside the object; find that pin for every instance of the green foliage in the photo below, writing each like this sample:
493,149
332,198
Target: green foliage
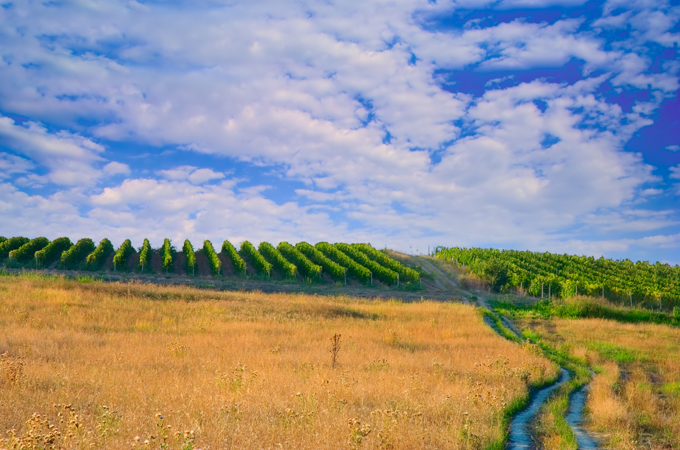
95,259
565,276
213,260
406,274
261,264
53,251
27,251
355,269
336,271
11,244
583,309
190,256
383,274
2,239
277,260
143,264
71,258
615,353
238,262
166,255
122,254
306,267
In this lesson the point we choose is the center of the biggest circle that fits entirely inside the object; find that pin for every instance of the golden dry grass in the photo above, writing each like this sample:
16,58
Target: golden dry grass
248,370
634,401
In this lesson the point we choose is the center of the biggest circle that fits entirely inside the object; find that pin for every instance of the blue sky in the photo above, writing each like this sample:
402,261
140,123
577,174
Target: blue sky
528,124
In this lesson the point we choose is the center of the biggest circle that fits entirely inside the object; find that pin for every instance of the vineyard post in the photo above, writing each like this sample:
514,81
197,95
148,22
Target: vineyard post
630,293
549,294
541,291
603,291
397,280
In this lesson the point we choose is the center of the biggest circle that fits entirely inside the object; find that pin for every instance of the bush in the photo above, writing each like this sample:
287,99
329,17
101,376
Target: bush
276,258
230,251
95,259
27,251
53,251
306,267
73,256
122,254
213,260
144,257
260,263
190,256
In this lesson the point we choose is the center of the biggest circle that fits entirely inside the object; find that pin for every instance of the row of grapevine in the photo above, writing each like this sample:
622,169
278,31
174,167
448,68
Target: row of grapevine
190,256
259,262
406,274
381,273
568,275
76,253
275,257
304,265
335,254
27,251
52,251
144,262
96,259
166,255
213,260
121,256
11,244
336,271
238,262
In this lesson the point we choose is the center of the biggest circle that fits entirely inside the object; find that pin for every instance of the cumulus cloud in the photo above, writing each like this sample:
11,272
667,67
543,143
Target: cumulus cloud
346,98
673,148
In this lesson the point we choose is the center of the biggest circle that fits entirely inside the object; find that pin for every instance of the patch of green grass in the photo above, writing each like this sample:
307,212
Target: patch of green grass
671,389
583,309
615,352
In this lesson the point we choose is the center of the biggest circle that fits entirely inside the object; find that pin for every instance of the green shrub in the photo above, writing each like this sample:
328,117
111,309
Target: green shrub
27,251
277,260
95,259
213,260
53,251
238,262
71,258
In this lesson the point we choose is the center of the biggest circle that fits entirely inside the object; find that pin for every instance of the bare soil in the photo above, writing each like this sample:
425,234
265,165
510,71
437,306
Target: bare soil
203,269
156,262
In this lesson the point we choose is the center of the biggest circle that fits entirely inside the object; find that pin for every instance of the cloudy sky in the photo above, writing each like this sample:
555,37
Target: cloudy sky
529,124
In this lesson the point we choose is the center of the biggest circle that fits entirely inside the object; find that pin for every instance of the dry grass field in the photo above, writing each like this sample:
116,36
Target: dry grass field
96,365
634,401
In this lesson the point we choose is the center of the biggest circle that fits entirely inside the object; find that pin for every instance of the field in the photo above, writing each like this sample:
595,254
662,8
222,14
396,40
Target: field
634,400
112,365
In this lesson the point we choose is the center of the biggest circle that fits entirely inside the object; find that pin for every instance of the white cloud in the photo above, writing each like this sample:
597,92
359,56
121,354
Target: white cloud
673,148
193,174
116,168
69,157
675,172
12,164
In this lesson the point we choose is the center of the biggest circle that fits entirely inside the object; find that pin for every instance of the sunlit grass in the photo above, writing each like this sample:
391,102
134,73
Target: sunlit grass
249,370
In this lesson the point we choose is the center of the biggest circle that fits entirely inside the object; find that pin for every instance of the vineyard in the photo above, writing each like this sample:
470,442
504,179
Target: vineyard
548,275
321,263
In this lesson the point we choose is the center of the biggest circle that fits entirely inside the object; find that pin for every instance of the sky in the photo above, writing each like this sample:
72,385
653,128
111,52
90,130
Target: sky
547,125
